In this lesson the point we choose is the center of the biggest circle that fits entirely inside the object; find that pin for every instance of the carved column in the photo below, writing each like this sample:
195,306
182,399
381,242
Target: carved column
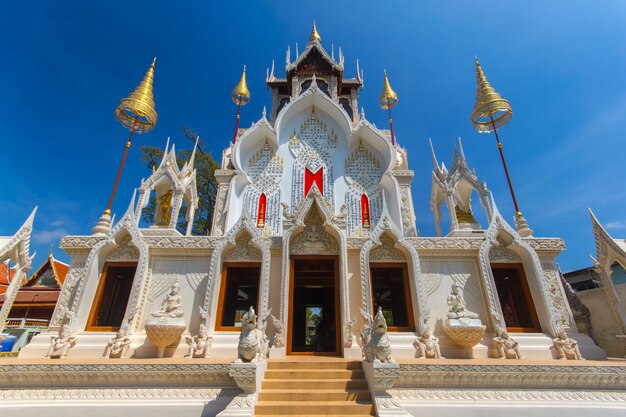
177,202
191,213
223,178
354,103
333,89
405,177
295,87
454,222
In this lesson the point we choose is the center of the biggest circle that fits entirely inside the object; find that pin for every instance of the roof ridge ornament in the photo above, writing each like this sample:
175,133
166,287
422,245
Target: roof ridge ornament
388,99
314,36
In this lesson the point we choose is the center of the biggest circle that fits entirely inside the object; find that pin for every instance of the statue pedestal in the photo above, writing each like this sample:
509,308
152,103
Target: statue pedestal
277,353
248,377
380,378
465,332
164,332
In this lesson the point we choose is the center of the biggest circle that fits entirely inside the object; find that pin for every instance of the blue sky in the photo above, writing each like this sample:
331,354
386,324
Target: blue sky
562,64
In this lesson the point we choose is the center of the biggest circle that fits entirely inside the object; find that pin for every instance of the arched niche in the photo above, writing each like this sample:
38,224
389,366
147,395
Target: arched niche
123,244
544,286
387,245
242,245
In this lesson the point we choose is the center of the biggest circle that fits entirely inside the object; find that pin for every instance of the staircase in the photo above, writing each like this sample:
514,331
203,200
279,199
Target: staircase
314,386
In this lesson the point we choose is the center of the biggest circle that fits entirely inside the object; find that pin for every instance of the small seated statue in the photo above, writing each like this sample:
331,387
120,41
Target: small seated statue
118,345
59,345
171,304
565,347
458,308
427,346
253,342
507,347
199,345
376,345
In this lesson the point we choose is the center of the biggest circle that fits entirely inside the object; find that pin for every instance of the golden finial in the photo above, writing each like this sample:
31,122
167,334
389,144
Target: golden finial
491,111
314,36
136,112
241,94
388,98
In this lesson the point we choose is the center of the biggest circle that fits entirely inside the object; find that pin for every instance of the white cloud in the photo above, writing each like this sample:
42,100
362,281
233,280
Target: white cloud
48,236
57,223
616,225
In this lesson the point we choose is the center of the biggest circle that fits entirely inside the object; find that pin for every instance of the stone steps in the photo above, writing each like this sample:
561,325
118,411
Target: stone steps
314,387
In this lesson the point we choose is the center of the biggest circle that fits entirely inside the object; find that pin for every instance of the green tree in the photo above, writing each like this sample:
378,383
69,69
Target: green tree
205,167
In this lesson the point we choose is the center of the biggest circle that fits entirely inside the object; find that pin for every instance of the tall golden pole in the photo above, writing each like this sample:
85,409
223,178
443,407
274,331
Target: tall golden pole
491,111
241,97
388,99
136,113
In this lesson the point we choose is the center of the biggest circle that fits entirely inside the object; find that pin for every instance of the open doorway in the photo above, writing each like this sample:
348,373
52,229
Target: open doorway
314,310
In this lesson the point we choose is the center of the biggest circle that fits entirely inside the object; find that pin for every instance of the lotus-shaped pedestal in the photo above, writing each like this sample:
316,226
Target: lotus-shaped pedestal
465,332
164,332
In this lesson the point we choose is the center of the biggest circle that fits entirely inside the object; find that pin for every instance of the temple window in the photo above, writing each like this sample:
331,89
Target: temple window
516,301
365,212
239,291
345,104
260,222
108,309
391,291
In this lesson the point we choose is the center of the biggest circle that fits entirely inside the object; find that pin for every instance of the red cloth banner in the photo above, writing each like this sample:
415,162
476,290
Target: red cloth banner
365,212
311,178
260,219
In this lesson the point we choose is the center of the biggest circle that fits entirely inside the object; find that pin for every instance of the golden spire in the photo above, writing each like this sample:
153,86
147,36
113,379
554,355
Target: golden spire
388,98
314,36
241,94
136,112
490,110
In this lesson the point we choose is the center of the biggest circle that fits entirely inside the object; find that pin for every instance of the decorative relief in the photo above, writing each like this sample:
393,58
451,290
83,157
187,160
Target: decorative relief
312,149
446,394
117,374
437,243
363,173
66,299
558,298
79,242
116,393
124,252
407,216
510,375
314,239
180,242
244,251
497,253
386,252
265,169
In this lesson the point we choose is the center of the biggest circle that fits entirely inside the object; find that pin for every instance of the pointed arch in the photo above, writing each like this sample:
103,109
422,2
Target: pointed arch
546,291
85,289
329,223
261,210
226,244
386,227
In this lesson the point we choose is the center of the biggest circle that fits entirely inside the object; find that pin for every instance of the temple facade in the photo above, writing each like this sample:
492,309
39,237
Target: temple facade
314,236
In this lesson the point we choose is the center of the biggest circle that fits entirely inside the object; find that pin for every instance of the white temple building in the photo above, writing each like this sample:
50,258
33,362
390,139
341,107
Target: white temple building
314,228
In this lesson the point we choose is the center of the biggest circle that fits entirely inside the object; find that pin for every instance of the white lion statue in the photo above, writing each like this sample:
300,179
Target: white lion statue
376,346
252,340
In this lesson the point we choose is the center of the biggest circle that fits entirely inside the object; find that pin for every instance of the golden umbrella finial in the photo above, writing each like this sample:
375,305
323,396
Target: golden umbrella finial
314,36
490,109
241,94
388,99
241,97
136,112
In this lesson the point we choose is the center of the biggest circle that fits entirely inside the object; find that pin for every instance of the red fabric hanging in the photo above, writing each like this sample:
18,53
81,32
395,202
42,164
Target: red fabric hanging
365,212
311,178
260,219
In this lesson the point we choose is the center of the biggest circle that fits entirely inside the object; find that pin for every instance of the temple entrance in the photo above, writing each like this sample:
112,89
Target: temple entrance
516,301
314,308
